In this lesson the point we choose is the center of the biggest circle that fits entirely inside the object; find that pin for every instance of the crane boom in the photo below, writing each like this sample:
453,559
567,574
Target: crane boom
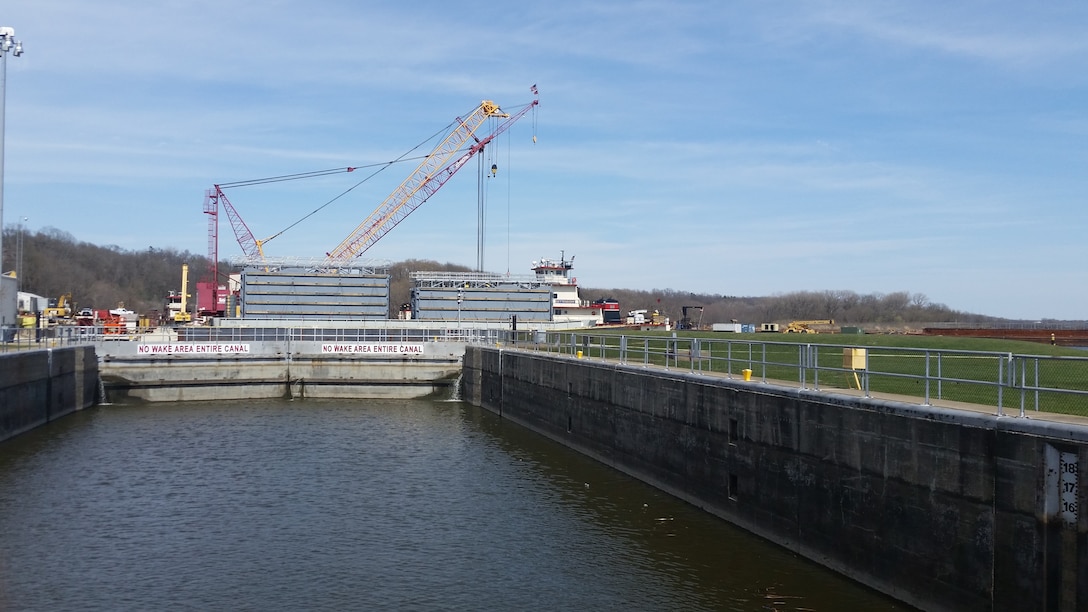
250,245
426,180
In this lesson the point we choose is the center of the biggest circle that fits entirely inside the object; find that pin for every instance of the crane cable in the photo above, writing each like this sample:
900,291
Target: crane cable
318,173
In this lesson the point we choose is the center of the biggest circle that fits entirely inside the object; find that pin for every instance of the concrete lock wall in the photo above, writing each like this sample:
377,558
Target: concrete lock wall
943,509
39,386
271,369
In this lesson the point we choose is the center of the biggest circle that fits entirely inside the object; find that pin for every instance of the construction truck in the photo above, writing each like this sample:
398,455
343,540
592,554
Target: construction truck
647,318
805,327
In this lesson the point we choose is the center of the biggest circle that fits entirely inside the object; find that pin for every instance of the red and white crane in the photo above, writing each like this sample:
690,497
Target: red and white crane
433,172
427,179
209,301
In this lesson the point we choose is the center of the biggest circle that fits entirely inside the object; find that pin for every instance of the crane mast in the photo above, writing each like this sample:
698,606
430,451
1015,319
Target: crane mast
427,179
250,245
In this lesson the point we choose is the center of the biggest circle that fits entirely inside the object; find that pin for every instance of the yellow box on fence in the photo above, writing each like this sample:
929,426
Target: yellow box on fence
854,359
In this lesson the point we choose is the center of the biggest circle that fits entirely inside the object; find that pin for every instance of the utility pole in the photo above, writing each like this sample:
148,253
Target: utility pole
19,254
7,43
460,298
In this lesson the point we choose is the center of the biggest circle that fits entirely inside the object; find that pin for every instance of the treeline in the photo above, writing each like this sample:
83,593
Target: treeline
893,310
400,281
53,263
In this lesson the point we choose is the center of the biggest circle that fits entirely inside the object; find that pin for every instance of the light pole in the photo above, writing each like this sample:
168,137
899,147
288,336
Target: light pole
7,43
460,298
19,254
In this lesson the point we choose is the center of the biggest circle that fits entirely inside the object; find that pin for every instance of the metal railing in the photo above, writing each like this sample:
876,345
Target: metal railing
32,338
1013,383
62,336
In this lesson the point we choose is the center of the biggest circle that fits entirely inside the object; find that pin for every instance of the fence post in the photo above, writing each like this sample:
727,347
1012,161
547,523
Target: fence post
940,376
1036,385
1001,382
865,377
729,358
927,403
764,361
801,364
1023,369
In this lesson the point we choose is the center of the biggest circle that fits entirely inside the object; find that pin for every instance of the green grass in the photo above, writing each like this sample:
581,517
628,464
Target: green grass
959,369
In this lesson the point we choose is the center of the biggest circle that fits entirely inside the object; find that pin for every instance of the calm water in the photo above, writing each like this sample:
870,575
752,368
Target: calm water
313,505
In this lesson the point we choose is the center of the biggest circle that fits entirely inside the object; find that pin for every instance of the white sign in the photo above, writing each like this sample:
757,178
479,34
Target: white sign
190,348
372,348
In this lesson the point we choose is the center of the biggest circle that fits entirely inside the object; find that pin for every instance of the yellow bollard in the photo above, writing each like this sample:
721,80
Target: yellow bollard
747,374
579,354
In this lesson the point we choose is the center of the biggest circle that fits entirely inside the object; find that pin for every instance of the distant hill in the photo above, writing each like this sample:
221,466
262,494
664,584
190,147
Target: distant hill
52,263
897,310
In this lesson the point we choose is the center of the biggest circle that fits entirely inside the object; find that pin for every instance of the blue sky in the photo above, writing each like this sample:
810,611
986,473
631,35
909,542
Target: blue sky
737,148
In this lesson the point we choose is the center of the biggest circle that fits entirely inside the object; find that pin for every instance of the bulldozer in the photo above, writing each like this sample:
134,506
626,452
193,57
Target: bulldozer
805,327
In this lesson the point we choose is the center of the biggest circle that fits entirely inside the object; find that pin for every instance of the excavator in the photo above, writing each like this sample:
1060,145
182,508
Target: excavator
59,313
805,327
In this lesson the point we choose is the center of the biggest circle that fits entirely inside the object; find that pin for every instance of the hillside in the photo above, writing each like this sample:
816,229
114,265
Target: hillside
52,263
890,311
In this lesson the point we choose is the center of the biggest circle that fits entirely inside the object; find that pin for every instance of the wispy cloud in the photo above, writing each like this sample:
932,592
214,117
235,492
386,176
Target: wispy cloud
874,146
1018,36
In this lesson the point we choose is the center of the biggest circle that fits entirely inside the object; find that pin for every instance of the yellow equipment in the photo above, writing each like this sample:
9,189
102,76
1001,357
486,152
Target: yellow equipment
181,315
63,310
804,327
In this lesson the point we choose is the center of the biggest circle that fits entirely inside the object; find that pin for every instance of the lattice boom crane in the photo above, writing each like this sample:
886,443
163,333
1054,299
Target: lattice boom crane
427,179
250,245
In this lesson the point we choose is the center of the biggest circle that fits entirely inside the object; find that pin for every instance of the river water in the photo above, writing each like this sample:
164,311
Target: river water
384,505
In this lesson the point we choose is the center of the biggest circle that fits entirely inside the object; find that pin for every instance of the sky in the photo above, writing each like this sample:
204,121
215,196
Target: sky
738,148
